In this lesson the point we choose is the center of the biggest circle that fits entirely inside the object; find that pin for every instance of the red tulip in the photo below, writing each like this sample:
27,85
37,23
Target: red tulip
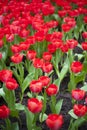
71,43
11,84
1,43
47,67
52,89
51,48
34,105
54,121
36,86
76,66
84,34
4,111
45,80
17,58
38,63
84,46
5,75
80,110
78,94
47,56
31,54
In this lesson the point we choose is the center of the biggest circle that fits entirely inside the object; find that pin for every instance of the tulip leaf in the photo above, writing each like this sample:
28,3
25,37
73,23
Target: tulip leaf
19,106
71,113
84,87
29,118
79,77
42,118
27,81
15,126
59,106
2,93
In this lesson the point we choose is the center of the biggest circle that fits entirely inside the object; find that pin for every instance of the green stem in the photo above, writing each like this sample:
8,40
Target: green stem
8,124
53,101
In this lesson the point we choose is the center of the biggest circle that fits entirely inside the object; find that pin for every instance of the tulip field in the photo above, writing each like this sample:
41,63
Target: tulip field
43,65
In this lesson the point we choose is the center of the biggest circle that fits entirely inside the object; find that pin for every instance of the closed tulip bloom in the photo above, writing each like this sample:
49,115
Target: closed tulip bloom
84,34
35,105
1,43
11,84
17,58
47,67
38,63
31,54
72,43
84,46
47,56
4,111
78,94
76,66
45,80
80,110
54,121
36,86
5,75
52,89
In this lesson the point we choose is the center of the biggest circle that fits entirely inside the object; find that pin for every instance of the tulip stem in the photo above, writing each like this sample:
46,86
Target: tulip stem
8,124
53,101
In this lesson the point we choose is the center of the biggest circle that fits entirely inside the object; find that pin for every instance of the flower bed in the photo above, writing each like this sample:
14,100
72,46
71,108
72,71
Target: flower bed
43,65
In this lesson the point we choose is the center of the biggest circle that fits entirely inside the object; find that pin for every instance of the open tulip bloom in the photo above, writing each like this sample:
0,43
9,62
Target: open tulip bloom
43,42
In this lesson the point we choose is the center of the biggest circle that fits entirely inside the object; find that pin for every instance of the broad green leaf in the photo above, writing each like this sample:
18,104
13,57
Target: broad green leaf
10,98
59,106
85,66
42,118
27,81
29,95
71,113
80,77
15,126
2,93
19,106
29,118
64,71
84,87
57,82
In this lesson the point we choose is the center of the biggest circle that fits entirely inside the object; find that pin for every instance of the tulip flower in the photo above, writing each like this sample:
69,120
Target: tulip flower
80,110
11,84
76,67
45,80
52,89
78,94
54,121
36,86
4,111
34,105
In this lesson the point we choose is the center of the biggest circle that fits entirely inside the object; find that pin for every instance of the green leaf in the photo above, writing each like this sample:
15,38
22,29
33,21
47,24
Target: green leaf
29,118
64,70
57,82
84,87
9,98
71,113
80,77
27,81
15,126
42,118
19,106
85,66
59,106
2,93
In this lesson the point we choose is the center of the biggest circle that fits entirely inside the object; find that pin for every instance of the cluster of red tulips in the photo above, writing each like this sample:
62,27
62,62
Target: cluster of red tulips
38,39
